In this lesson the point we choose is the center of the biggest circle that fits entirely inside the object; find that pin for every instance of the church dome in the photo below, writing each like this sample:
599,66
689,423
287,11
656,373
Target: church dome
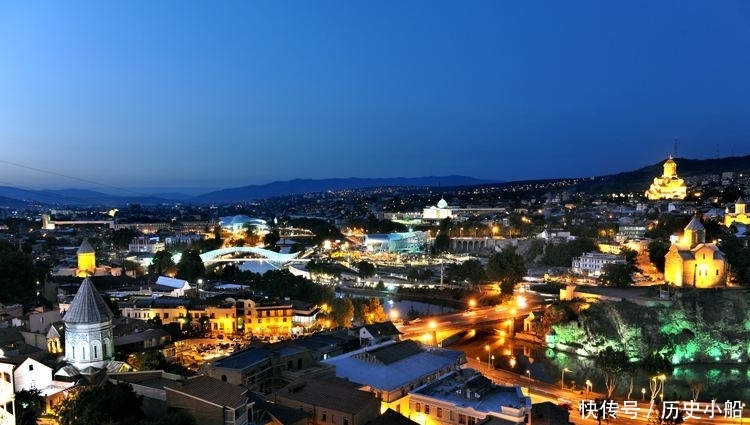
88,306
442,203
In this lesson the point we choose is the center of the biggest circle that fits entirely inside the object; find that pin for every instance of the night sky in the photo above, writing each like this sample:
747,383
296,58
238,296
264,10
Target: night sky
206,95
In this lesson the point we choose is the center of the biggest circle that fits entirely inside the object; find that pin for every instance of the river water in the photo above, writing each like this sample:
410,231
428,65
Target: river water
721,381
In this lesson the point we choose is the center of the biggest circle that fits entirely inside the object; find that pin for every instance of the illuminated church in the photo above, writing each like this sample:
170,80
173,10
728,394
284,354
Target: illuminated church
739,215
89,339
692,261
669,185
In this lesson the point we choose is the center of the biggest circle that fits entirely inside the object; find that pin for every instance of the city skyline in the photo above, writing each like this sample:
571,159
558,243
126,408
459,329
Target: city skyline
190,95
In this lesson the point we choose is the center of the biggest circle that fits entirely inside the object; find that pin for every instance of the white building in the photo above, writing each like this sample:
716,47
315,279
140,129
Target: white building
465,397
176,287
592,263
143,244
7,393
33,375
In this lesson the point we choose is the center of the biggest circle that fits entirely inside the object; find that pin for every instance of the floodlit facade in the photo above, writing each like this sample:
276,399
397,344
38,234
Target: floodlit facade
88,329
397,242
7,393
738,216
669,185
691,261
592,263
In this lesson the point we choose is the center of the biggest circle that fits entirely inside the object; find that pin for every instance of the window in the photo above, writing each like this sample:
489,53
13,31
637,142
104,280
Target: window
472,421
166,315
439,412
418,408
461,419
324,416
426,409
31,367
346,421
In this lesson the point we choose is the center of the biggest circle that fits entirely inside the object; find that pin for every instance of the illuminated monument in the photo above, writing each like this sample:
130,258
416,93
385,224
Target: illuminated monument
739,215
88,329
693,262
86,259
669,185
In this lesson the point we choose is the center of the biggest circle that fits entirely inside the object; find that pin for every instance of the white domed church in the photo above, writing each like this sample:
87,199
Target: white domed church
89,340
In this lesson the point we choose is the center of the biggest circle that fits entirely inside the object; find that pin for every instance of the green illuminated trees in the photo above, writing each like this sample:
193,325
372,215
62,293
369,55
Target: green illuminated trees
612,363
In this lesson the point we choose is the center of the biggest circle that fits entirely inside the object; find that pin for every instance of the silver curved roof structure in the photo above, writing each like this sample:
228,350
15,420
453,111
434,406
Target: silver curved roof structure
216,254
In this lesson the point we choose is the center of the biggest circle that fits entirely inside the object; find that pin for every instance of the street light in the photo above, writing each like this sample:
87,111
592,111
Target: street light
643,394
489,355
588,385
512,362
528,372
562,378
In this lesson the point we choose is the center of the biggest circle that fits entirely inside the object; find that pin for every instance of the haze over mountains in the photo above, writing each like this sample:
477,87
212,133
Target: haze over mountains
636,180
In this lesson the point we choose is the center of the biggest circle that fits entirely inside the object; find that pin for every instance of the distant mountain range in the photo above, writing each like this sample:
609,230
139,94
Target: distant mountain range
636,180
19,198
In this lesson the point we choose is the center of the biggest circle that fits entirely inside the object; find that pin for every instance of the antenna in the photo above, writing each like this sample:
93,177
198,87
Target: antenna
675,147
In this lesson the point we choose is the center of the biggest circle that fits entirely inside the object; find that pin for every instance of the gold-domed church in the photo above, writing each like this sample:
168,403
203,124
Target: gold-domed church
669,185
692,261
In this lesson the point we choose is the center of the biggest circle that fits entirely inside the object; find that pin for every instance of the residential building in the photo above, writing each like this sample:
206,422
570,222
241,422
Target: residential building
7,393
392,369
33,375
210,401
465,397
265,317
331,401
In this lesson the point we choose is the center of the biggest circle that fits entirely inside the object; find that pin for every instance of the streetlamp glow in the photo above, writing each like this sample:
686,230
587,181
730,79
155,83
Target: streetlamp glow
588,385
643,393
562,378
489,355
512,362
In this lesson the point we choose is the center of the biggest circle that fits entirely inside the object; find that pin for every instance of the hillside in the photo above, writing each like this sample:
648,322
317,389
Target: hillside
640,179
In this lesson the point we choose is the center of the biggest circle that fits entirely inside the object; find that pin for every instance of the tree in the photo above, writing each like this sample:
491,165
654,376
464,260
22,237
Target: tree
656,251
342,312
115,404
616,275
506,267
696,387
18,276
121,238
191,266
162,264
271,238
474,271
612,363
28,406
365,269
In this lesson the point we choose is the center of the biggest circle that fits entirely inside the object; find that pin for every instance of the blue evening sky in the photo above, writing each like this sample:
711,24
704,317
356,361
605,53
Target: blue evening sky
204,95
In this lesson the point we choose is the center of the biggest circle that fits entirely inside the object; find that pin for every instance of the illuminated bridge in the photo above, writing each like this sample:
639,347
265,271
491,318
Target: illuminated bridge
226,254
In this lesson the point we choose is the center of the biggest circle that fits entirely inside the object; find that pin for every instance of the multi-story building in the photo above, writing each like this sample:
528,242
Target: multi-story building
592,263
465,397
393,369
144,244
331,401
265,317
